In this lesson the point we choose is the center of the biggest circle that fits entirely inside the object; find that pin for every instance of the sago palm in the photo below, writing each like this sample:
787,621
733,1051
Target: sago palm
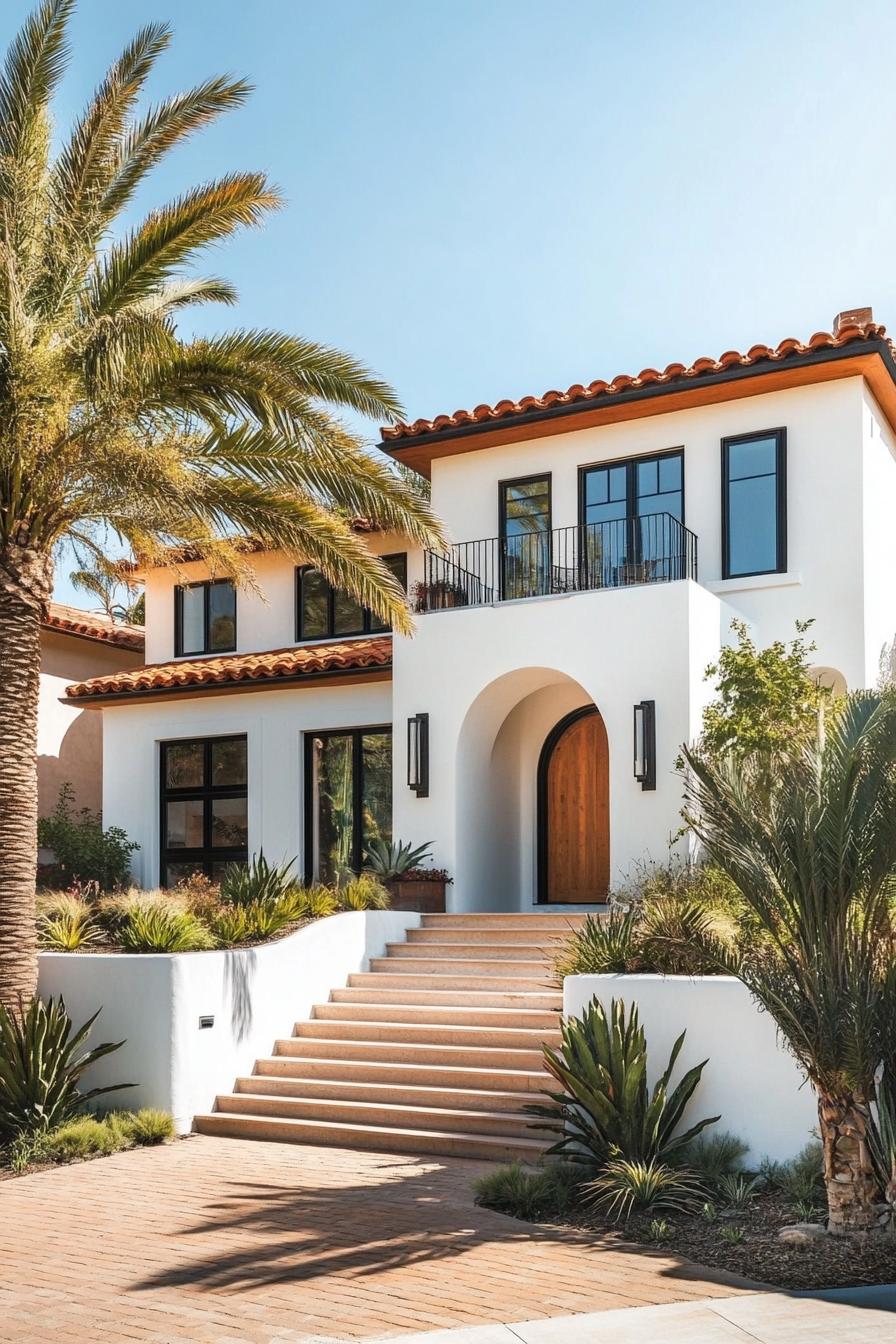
111,421
814,857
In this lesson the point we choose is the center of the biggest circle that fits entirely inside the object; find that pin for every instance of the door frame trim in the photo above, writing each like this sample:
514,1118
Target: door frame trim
541,826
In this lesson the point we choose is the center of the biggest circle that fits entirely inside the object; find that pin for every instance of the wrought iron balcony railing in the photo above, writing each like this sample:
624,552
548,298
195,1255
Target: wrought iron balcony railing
654,548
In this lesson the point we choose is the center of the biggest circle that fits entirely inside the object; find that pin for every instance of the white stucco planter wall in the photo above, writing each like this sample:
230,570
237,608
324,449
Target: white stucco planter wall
750,1081
255,995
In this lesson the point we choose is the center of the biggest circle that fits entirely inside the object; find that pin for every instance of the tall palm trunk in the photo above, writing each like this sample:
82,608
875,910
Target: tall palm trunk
25,586
852,1186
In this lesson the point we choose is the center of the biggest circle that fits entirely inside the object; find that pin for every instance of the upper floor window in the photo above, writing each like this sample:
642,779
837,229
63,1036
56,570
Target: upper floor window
754,517
205,617
634,489
323,612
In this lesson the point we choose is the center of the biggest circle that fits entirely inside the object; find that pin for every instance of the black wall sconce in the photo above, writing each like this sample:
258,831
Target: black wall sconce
645,744
418,755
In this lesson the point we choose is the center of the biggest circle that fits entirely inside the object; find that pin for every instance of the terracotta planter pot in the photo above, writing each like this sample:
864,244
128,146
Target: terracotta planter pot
427,897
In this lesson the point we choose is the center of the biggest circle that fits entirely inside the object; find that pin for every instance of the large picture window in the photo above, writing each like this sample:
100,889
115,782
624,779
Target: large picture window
205,618
204,807
323,612
348,799
754,504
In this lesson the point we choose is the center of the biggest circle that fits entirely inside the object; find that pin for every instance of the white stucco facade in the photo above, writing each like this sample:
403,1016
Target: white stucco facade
496,679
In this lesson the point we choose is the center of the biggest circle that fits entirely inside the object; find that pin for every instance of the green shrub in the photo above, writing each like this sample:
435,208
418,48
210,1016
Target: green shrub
737,1191
624,1188
68,930
41,1062
733,1235
84,851
230,925
671,931
529,1193
713,1156
256,883
84,1137
160,928
802,1178
388,860
602,945
605,1108
363,893
318,902
27,1149
660,1231
147,1126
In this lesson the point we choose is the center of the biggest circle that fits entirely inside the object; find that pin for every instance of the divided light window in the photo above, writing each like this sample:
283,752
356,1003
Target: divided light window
754,504
324,612
204,807
205,618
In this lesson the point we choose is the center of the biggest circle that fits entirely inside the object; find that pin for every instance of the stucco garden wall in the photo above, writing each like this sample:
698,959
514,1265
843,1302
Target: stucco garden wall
750,1080
255,995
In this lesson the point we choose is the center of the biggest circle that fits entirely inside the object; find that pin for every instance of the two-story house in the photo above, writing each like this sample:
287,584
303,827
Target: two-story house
603,540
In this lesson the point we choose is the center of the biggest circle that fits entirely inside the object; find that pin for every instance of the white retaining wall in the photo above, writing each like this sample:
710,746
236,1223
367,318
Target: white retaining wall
750,1081
255,995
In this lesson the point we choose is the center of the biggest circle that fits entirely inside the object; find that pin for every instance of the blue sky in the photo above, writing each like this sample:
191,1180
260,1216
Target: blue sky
488,198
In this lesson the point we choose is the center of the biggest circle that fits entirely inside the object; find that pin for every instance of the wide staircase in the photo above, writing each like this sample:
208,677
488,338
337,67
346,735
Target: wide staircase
435,1049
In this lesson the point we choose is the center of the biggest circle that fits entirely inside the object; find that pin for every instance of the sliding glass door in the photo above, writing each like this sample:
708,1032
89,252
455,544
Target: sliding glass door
348,799
630,514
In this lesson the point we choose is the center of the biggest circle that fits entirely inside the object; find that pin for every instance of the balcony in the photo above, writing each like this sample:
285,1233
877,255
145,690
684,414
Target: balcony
654,548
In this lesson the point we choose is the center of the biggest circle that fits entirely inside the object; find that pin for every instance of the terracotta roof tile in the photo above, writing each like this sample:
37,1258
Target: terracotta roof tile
259,668
91,625
759,355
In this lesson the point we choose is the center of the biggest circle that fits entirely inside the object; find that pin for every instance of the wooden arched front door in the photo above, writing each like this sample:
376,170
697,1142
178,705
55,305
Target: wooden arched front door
574,810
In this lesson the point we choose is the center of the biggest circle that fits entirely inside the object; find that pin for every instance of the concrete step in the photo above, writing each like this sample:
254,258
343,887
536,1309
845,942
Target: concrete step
505,1078
340,1089
409,1053
375,992
471,952
382,1138
506,1123
427,1033
429,1014
516,971
385,972
507,919
494,935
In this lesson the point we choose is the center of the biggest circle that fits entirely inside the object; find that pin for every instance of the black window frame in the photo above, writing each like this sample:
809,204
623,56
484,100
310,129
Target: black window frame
545,562
779,434
631,482
207,585
367,618
205,856
357,734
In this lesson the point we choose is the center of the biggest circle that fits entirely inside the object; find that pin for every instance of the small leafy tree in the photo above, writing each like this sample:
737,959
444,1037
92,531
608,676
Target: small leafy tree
84,851
766,702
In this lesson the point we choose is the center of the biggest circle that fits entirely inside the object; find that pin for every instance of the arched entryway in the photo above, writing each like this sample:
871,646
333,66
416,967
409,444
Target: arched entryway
574,810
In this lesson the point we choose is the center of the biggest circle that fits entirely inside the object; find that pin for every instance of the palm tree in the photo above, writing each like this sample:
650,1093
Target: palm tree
814,857
112,423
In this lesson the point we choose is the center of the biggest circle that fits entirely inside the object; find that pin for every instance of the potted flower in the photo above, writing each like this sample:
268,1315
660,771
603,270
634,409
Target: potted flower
410,886
440,595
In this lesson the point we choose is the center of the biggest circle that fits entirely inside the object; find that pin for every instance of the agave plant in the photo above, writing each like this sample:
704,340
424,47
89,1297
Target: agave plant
257,882
41,1063
389,859
605,1110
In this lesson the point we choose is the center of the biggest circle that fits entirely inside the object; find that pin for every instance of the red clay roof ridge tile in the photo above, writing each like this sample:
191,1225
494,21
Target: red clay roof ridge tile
92,625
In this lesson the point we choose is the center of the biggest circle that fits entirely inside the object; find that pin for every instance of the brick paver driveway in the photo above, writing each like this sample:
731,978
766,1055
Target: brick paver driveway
226,1240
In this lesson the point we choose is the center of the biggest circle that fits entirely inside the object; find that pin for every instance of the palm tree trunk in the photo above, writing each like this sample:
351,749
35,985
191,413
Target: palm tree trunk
26,579
852,1186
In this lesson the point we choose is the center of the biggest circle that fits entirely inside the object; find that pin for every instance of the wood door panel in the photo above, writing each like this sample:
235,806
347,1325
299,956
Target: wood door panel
577,813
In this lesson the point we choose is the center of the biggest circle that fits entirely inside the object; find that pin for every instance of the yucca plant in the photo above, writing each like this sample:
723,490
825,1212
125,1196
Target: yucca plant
811,847
42,1059
737,1191
390,859
605,1110
651,1186
113,422
602,945
160,928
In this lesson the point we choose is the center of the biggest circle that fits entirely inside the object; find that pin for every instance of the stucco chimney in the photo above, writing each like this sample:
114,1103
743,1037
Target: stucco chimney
852,317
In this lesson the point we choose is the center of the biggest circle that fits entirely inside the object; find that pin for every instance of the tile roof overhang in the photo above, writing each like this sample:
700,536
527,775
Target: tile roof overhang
342,660
861,349
90,625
